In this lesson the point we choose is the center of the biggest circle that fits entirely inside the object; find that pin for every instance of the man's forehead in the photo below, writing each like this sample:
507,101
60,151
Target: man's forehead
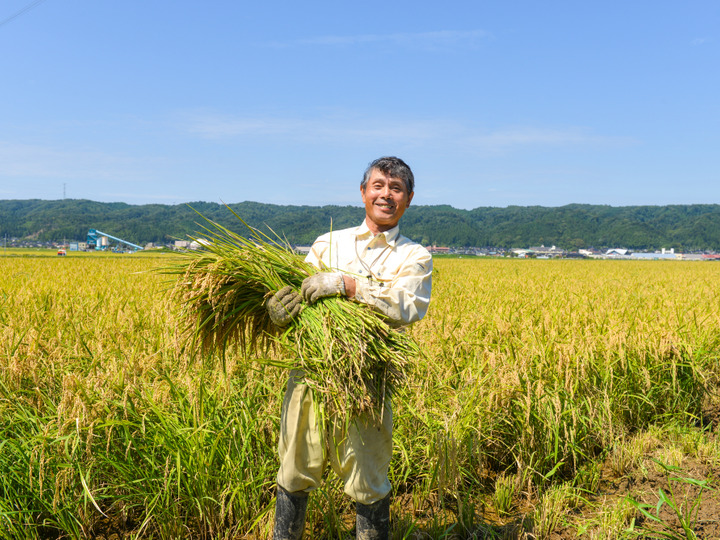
375,173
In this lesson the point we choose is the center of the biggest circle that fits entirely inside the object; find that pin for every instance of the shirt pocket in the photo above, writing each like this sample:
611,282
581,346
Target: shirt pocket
385,273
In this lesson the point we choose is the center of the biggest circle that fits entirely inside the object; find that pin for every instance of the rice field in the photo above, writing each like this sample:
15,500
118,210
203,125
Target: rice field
539,383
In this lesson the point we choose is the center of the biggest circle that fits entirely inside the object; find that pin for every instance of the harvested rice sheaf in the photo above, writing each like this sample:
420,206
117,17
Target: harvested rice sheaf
351,358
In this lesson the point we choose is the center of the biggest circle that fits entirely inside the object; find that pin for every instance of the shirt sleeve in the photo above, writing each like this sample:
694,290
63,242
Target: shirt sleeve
406,297
317,252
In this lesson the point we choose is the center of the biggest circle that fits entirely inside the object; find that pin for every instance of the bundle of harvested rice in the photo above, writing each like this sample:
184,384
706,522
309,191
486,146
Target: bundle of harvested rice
350,357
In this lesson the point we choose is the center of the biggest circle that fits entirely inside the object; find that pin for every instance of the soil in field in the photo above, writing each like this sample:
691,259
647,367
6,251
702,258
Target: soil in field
644,488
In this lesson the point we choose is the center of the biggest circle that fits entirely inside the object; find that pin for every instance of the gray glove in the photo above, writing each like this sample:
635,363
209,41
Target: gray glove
321,285
284,306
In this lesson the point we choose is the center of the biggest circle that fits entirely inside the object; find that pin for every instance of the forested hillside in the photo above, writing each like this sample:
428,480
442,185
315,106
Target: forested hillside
683,227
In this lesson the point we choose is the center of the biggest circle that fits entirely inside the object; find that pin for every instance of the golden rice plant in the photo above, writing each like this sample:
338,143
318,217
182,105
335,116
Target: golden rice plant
350,357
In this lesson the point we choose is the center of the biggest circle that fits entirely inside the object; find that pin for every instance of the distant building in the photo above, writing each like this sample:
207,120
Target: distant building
520,253
545,252
657,255
200,242
617,252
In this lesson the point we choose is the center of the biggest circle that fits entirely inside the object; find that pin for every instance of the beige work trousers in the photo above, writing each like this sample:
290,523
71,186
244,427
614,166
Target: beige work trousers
359,451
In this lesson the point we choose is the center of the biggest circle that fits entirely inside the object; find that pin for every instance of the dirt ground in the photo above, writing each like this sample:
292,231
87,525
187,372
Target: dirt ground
645,490
643,487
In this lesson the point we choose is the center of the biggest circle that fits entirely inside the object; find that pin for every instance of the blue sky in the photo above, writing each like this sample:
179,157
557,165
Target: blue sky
491,103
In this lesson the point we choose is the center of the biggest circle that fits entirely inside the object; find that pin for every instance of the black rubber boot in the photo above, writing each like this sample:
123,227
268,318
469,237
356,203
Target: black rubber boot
373,520
290,511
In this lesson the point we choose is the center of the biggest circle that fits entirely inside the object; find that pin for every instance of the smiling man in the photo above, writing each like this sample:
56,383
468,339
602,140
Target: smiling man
375,265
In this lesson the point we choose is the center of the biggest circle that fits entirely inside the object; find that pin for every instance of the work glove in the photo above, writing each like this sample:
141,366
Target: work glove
284,306
321,285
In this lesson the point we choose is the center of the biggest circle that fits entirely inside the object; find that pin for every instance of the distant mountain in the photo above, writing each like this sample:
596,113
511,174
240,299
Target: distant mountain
683,227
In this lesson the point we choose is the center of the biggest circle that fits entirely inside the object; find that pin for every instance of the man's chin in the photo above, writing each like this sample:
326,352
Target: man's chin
385,220
389,215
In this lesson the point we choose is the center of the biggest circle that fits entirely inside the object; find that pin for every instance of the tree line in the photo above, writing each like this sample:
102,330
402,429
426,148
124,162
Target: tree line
683,227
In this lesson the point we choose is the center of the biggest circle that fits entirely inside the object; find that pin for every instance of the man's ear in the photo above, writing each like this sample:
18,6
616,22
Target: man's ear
409,199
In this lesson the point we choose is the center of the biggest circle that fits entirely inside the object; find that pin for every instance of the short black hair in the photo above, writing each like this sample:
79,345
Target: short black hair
394,168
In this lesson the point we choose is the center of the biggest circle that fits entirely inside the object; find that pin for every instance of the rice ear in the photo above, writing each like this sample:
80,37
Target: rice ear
350,357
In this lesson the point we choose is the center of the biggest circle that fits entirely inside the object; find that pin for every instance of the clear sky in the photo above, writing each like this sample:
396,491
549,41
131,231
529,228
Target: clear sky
492,103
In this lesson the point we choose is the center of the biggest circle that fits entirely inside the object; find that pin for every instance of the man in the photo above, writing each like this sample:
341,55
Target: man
375,265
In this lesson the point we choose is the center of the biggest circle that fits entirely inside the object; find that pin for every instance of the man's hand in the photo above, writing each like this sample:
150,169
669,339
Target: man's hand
284,306
321,285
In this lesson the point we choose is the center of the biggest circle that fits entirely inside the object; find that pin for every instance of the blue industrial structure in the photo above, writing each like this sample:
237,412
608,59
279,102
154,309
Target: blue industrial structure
94,240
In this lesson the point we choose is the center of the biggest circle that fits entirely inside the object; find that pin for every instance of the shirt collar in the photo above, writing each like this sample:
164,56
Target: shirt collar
390,235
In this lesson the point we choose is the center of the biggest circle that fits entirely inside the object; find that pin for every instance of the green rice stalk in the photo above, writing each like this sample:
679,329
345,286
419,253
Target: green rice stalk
350,357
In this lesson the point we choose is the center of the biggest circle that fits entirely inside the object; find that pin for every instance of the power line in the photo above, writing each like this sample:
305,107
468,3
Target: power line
22,11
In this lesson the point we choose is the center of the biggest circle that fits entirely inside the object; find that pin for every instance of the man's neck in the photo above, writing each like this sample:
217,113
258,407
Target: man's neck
376,229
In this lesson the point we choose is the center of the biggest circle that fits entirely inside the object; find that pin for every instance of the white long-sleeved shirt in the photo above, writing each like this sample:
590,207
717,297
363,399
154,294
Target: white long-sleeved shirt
392,273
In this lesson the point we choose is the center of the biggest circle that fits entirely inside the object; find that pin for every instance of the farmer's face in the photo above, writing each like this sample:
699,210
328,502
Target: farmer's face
385,199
